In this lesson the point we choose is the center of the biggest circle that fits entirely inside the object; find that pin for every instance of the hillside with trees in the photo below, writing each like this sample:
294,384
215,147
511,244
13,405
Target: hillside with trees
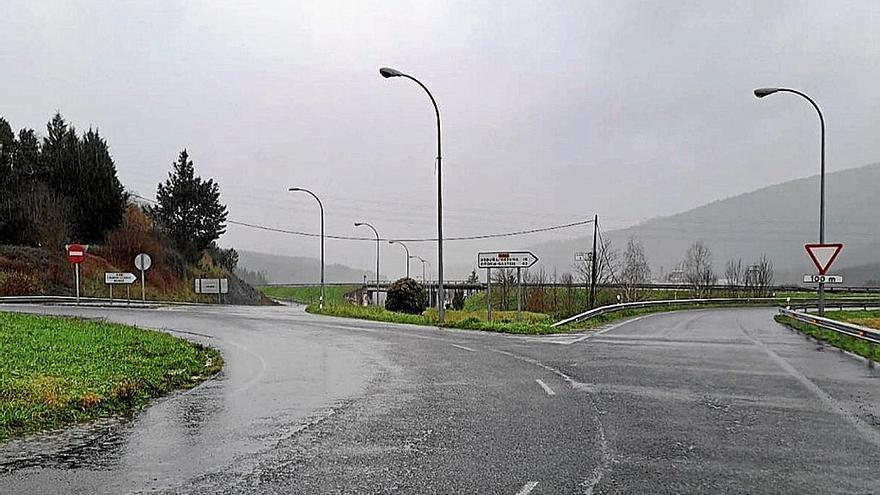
63,188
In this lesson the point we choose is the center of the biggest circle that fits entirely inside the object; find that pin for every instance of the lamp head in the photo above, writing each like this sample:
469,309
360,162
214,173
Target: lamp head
762,92
295,189
389,72
358,224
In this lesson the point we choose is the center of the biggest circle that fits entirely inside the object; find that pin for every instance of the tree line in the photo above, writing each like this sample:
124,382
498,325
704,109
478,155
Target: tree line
565,294
63,187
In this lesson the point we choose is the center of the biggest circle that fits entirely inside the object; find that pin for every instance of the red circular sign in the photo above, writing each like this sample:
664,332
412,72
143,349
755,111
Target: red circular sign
76,253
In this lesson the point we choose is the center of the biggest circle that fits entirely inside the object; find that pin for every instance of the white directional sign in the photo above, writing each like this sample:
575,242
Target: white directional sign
583,256
119,278
212,286
823,279
823,255
512,259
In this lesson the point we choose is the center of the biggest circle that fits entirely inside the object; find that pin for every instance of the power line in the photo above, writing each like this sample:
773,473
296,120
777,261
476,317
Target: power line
355,238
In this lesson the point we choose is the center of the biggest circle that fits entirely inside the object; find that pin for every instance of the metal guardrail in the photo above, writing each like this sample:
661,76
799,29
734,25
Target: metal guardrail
733,301
839,304
854,303
857,331
89,300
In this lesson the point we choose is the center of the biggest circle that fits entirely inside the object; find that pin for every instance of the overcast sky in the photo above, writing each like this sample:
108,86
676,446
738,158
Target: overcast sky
551,110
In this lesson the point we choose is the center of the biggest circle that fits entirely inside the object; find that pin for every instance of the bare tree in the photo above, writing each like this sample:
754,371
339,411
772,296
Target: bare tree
698,272
505,278
763,275
734,275
634,269
606,266
568,280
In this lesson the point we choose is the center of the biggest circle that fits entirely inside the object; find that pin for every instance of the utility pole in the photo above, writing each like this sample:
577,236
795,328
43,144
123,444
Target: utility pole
594,262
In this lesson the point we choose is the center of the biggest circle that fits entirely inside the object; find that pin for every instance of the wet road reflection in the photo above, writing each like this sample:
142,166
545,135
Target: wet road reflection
278,373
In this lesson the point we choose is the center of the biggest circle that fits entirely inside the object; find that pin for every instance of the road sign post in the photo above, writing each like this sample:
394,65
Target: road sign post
212,286
823,255
488,294
143,262
76,254
518,293
113,278
505,259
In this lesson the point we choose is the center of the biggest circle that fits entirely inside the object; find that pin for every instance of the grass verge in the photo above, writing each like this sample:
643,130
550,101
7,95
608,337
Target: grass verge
502,321
57,371
308,295
835,339
869,319
532,323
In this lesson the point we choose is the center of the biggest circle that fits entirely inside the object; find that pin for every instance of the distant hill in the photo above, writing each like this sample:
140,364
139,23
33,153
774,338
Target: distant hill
776,220
862,275
298,269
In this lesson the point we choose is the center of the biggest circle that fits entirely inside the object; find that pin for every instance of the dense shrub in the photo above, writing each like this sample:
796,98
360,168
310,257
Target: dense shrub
406,296
458,300
20,284
133,237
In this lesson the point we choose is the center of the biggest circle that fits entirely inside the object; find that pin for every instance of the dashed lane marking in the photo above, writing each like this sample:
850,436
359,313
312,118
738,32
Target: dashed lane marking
546,388
527,488
463,347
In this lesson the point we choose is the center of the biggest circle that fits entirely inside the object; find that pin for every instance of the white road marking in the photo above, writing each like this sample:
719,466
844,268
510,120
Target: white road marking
527,488
463,347
546,388
604,447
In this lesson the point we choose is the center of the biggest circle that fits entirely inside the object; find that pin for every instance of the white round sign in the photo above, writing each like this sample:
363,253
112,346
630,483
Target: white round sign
143,261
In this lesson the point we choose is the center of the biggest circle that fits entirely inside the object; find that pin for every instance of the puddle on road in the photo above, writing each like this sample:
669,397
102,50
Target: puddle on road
93,445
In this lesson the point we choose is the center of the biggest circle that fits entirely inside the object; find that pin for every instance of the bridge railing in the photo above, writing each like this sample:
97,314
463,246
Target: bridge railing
463,284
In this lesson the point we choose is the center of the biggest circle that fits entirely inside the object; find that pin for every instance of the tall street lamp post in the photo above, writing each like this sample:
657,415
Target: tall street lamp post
424,280
441,307
321,206
762,92
407,254
358,224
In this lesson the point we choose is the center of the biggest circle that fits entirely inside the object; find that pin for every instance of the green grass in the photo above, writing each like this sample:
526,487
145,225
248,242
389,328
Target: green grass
308,295
851,344
502,321
532,323
865,318
58,371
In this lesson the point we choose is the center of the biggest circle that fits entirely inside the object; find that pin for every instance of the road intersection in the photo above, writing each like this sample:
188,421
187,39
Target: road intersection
711,401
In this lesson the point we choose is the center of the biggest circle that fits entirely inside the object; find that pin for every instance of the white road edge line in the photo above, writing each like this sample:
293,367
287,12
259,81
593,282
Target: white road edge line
546,388
527,488
463,347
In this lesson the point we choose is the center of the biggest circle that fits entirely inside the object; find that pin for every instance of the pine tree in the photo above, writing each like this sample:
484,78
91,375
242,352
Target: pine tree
101,199
189,209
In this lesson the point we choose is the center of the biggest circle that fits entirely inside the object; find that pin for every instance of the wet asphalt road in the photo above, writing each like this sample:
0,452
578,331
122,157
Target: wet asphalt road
721,401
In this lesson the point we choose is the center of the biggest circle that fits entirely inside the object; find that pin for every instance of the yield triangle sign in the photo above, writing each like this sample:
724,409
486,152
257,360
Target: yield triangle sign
823,255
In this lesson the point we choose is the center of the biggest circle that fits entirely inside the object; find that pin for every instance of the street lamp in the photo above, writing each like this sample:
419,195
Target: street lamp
407,254
321,206
359,224
762,92
424,280
441,307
